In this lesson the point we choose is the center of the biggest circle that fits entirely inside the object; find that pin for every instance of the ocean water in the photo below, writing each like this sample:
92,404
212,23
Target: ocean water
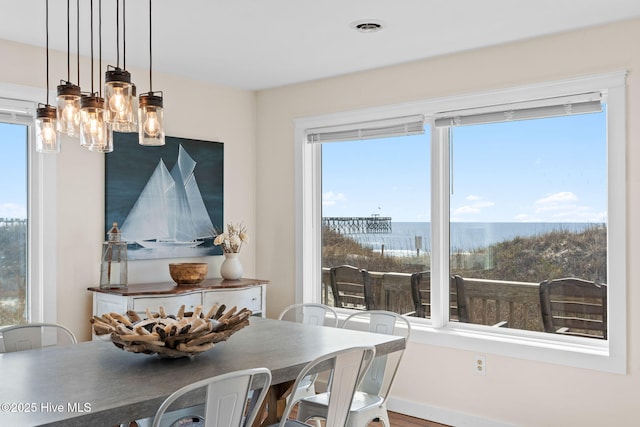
406,237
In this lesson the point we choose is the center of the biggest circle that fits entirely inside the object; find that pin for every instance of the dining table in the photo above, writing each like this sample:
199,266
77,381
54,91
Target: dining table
94,383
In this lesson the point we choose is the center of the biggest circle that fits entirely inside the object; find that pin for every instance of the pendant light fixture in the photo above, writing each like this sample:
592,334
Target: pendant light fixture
150,112
118,87
93,127
68,97
127,121
46,116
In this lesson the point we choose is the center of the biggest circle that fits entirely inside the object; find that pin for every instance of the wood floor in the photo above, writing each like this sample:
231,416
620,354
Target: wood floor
400,420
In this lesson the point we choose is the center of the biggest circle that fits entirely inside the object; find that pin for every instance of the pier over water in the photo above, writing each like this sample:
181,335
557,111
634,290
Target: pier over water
358,225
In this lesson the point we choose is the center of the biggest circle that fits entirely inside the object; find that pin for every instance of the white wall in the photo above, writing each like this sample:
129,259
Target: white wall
434,382
228,117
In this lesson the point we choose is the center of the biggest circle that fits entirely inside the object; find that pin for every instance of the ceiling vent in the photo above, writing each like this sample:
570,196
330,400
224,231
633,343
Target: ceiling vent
367,26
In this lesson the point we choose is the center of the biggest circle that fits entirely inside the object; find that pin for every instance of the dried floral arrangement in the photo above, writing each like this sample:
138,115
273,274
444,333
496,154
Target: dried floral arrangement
231,240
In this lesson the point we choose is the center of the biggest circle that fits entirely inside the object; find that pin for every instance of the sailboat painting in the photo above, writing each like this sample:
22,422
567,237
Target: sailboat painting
166,199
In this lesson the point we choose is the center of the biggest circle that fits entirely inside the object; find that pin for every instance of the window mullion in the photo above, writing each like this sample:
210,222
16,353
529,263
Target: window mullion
439,226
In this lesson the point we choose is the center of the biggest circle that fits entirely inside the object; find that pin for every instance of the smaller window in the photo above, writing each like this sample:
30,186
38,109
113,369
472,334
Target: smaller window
14,290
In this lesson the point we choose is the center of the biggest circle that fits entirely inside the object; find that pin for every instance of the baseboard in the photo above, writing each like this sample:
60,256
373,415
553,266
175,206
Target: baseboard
440,415
431,413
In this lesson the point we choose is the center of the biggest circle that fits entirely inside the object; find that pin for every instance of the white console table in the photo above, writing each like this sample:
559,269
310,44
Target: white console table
249,293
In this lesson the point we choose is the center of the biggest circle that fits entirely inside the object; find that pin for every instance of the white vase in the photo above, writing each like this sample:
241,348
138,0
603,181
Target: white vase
231,269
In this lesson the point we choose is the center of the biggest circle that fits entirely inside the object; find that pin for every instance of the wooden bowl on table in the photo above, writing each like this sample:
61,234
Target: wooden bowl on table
188,273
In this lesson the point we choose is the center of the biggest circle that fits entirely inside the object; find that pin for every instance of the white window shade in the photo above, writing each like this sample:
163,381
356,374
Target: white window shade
16,111
565,106
399,126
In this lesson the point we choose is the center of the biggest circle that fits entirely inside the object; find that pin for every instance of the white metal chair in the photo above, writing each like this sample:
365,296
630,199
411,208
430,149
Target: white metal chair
370,400
232,400
35,335
347,368
310,314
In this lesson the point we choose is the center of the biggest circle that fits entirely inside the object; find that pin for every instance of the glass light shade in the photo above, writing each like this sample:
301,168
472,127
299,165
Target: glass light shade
121,125
107,145
118,96
151,120
93,127
46,137
68,103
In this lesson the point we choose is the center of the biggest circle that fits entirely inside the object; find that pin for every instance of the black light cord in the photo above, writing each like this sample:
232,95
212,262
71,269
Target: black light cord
68,42
124,34
150,52
78,38
47,30
100,48
92,92
117,33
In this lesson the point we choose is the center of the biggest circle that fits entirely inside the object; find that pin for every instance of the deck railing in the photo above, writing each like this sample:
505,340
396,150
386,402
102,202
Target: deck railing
489,301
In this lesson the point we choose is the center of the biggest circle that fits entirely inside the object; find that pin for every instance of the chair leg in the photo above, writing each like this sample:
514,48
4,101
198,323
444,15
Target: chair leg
363,419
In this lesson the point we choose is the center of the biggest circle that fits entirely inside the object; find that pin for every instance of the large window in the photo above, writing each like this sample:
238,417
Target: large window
457,227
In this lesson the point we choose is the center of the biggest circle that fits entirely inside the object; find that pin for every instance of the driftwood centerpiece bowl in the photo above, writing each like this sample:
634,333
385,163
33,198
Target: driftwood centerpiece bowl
180,335
188,273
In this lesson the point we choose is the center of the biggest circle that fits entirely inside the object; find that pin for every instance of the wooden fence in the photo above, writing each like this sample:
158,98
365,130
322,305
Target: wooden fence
489,301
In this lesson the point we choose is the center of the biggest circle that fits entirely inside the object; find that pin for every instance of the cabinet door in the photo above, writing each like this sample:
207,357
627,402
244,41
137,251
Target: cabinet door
250,298
171,303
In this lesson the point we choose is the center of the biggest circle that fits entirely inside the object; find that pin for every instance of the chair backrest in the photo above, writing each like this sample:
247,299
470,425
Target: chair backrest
310,314
379,378
421,295
232,399
35,335
351,288
472,303
574,306
347,368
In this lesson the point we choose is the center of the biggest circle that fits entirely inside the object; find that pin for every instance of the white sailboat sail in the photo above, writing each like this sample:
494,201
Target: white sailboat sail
170,209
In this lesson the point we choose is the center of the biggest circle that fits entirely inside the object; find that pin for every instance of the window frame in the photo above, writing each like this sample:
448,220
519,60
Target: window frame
609,355
41,209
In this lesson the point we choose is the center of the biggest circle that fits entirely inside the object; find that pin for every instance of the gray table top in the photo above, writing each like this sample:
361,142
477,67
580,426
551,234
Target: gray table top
94,383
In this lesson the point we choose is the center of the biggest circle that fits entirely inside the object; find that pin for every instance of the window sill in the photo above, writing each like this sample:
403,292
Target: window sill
583,353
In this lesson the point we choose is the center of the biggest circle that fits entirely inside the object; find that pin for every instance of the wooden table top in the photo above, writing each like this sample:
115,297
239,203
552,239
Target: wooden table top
173,288
95,383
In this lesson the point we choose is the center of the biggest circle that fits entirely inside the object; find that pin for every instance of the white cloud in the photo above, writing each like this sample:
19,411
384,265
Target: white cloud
563,206
561,197
473,208
565,201
330,198
12,210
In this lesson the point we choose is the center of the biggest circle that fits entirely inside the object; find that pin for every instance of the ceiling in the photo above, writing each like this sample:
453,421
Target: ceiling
259,44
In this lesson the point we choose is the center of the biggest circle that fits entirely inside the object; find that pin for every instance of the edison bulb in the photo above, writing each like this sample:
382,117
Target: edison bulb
94,126
152,124
48,133
69,111
118,101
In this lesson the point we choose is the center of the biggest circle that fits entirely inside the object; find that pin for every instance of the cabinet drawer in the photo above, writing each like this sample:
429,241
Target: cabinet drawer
171,304
250,298
105,303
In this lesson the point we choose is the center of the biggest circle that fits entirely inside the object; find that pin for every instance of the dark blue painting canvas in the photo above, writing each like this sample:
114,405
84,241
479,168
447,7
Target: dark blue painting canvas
167,200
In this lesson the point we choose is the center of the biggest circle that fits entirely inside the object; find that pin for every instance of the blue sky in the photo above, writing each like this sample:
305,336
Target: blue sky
556,171
13,171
